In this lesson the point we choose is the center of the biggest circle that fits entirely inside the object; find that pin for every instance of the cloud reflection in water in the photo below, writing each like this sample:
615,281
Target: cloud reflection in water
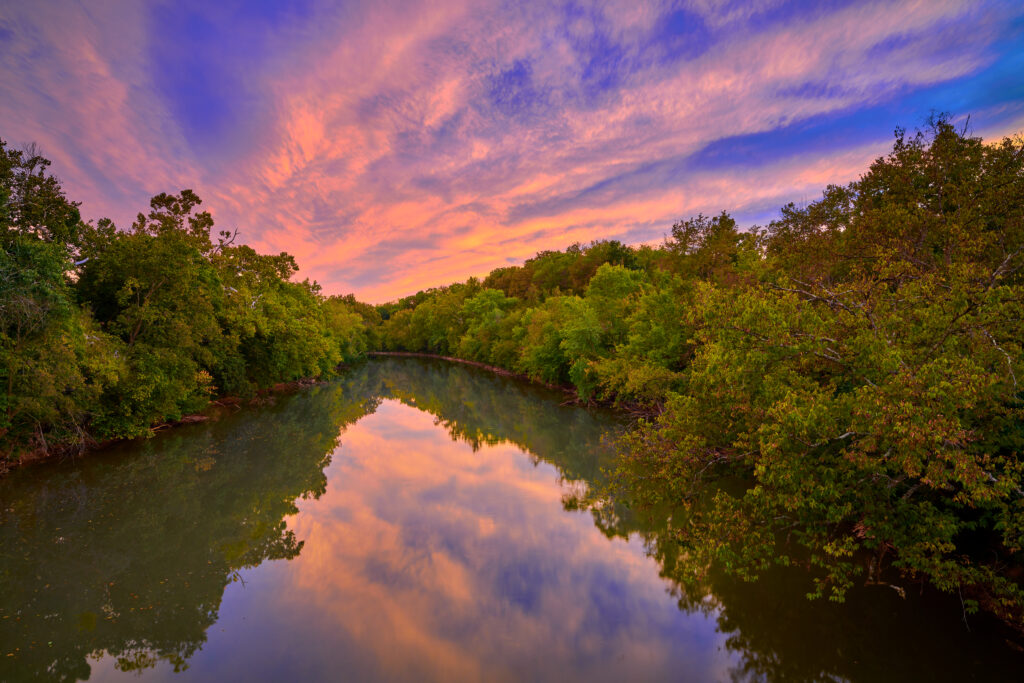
428,559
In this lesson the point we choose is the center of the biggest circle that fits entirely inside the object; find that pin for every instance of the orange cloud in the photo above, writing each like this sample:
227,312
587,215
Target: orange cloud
392,146
437,561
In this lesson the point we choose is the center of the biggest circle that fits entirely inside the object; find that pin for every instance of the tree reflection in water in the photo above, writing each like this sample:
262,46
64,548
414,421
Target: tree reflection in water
128,552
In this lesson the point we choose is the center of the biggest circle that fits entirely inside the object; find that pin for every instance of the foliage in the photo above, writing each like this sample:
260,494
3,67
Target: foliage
840,389
869,400
105,333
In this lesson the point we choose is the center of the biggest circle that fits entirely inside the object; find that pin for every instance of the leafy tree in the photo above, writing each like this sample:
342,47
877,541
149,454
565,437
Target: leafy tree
104,333
871,401
543,356
51,357
155,289
613,293
840,389
53,362
706,248
484,314
348,322
32,202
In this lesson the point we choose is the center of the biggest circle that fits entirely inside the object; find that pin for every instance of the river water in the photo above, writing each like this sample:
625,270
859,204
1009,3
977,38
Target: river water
410,521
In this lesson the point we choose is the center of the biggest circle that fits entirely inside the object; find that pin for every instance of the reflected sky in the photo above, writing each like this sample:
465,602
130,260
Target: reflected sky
428,559
409,521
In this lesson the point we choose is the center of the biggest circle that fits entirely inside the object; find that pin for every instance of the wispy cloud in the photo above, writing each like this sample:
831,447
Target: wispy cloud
392,146
412,606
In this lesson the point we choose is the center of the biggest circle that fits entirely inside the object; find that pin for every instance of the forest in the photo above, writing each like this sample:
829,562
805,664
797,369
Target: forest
107,334
837,389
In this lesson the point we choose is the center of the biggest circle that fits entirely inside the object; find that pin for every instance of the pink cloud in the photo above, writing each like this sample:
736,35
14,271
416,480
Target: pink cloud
429,602
383,128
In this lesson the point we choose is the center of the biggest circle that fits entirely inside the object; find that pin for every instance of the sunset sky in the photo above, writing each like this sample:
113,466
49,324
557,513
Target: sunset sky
393,146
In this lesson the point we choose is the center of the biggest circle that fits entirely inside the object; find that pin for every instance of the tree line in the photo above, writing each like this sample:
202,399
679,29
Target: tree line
105,333
839,389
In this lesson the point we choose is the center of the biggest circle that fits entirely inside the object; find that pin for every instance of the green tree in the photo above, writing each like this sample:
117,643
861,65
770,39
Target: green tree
870,401
155,288
53,362
485,315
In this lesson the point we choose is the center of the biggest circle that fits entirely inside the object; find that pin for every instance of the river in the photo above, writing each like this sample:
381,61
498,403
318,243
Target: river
410,521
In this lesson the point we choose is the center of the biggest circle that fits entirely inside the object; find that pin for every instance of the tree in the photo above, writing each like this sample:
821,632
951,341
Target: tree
870,401
32,202
706,248
53,362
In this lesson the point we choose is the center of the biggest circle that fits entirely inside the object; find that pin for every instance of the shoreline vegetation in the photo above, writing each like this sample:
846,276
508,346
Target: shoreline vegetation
632,409
109,333
504,372
839,389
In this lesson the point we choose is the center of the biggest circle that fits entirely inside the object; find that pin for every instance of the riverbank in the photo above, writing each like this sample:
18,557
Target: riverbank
150,552
266,395
634,409
212,410
232,403
484,366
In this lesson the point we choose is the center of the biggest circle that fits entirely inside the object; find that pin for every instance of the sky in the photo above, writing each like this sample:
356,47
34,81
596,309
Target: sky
394,146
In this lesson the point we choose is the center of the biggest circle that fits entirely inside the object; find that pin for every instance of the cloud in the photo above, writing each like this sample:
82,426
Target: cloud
71,80
456,577
393,146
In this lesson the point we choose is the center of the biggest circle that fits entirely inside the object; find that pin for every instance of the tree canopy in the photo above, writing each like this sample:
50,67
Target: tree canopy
105,333
840,389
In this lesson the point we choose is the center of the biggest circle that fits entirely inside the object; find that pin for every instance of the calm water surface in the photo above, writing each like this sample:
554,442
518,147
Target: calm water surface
408,523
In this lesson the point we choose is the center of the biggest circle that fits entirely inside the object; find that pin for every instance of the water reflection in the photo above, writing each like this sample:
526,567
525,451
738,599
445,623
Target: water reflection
427,545
455,564
129,552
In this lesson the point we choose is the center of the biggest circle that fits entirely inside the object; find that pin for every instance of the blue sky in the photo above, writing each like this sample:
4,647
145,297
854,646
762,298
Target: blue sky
397,145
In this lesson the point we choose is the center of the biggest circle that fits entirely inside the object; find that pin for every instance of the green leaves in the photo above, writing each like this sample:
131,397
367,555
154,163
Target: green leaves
142,326
865,389
841,389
